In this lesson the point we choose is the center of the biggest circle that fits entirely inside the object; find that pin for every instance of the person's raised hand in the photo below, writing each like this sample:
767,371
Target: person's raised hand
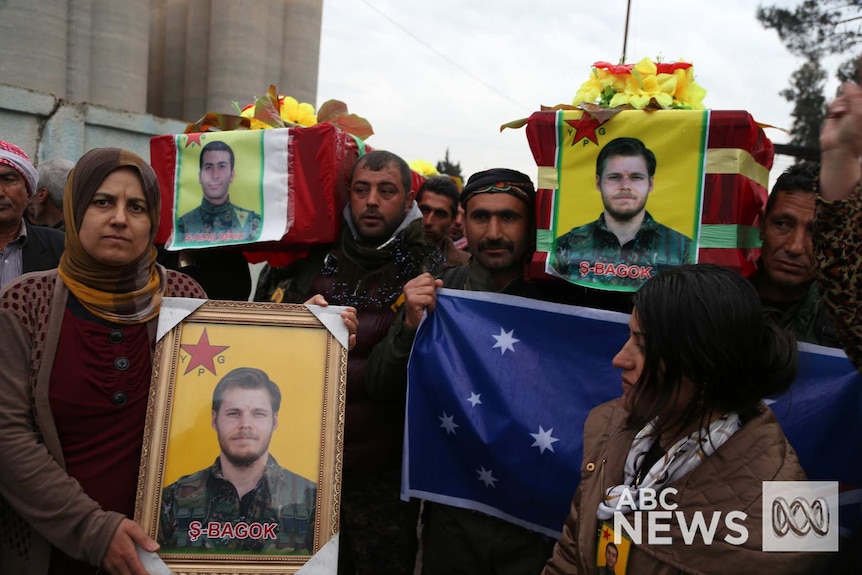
842,127
420,294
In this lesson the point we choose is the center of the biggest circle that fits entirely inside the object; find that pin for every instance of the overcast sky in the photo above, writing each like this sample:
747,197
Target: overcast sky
436,74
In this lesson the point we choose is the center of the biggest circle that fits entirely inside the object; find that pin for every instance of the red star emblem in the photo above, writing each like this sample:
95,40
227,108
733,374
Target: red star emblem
585,128
202,353
194,138
606,534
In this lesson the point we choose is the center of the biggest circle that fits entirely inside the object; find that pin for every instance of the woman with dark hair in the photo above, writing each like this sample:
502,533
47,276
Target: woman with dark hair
76,349
699,358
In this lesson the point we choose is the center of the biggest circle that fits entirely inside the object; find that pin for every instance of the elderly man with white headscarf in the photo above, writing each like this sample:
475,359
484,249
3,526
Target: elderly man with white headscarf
23,248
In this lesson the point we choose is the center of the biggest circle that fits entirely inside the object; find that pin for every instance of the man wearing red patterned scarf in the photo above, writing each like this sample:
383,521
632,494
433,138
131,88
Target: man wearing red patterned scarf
23,248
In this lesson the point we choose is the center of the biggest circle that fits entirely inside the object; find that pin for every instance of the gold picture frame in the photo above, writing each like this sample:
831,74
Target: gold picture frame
190,451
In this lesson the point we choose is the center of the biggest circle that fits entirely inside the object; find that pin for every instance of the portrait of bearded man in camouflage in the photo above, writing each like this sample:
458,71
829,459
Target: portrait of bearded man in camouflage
245,501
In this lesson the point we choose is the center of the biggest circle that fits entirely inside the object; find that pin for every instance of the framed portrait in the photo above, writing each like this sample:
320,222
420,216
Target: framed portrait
241,463
628,197
230,188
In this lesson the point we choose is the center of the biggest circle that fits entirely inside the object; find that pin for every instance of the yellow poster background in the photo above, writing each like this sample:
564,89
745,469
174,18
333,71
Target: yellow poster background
294,358
245,190
678,140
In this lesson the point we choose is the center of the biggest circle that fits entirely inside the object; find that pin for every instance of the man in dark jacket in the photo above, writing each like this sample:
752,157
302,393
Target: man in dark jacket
382,246
23,248
499,209
786,271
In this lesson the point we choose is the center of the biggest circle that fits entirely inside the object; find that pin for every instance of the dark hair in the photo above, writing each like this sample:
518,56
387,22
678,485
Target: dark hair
625,147
705,323
216,146
611,544
380,160
444,186
246,378
798,178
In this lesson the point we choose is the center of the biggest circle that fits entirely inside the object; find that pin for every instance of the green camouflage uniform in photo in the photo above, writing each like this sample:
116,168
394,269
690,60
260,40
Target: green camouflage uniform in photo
281,497
654,246
225,218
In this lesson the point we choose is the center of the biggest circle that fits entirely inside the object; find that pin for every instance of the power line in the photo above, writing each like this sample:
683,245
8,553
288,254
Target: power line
445,57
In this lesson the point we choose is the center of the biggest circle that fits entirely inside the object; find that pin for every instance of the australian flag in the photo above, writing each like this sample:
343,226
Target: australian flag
500,387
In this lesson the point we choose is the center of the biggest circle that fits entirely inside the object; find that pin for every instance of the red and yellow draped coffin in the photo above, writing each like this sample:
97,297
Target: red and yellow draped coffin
311,171
710,183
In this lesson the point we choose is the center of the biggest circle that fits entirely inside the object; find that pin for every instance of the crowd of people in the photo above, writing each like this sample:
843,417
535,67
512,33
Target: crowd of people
82,285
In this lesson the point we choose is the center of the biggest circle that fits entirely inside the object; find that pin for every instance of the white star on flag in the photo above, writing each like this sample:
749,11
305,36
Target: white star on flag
486,477
447,423
505,341
544,440
474,399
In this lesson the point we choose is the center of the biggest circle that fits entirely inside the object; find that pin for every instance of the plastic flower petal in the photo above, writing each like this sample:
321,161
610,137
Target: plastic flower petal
646,67
305,115
642,85
423,167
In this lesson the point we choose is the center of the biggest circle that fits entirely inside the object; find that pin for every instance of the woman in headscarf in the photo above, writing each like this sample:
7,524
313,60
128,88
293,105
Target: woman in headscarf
76,349
690,426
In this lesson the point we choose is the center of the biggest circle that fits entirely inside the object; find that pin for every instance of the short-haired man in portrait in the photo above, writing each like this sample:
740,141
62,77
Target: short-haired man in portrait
245,501
217,219
438,201
786,271
628,245
612,555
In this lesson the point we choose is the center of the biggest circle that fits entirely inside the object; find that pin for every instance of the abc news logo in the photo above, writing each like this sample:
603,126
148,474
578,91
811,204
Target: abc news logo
800,516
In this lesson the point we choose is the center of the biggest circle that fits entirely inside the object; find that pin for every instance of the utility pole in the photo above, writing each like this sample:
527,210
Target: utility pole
626,33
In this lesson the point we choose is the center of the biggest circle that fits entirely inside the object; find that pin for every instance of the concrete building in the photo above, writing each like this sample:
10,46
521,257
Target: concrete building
77,74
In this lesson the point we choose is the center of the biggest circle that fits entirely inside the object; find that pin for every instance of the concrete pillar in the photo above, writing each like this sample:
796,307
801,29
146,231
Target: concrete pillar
300,56
79,50
156,64
237,44
33,42
206,54
119,53
196,60
271,72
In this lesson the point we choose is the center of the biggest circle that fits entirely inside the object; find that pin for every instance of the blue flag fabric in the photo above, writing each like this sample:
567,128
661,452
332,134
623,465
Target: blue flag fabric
500,386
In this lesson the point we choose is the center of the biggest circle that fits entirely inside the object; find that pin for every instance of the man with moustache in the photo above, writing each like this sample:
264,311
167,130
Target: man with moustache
438,201
245,501
382,246
785,278
499,207
625,232
23,247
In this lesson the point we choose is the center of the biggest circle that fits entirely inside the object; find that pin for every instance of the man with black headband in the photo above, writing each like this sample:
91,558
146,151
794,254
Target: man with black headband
625,232
23,247
499,224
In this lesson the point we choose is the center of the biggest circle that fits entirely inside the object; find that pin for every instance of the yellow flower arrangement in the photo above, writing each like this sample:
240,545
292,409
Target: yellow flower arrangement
423,167
645,85
273,110
290,111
